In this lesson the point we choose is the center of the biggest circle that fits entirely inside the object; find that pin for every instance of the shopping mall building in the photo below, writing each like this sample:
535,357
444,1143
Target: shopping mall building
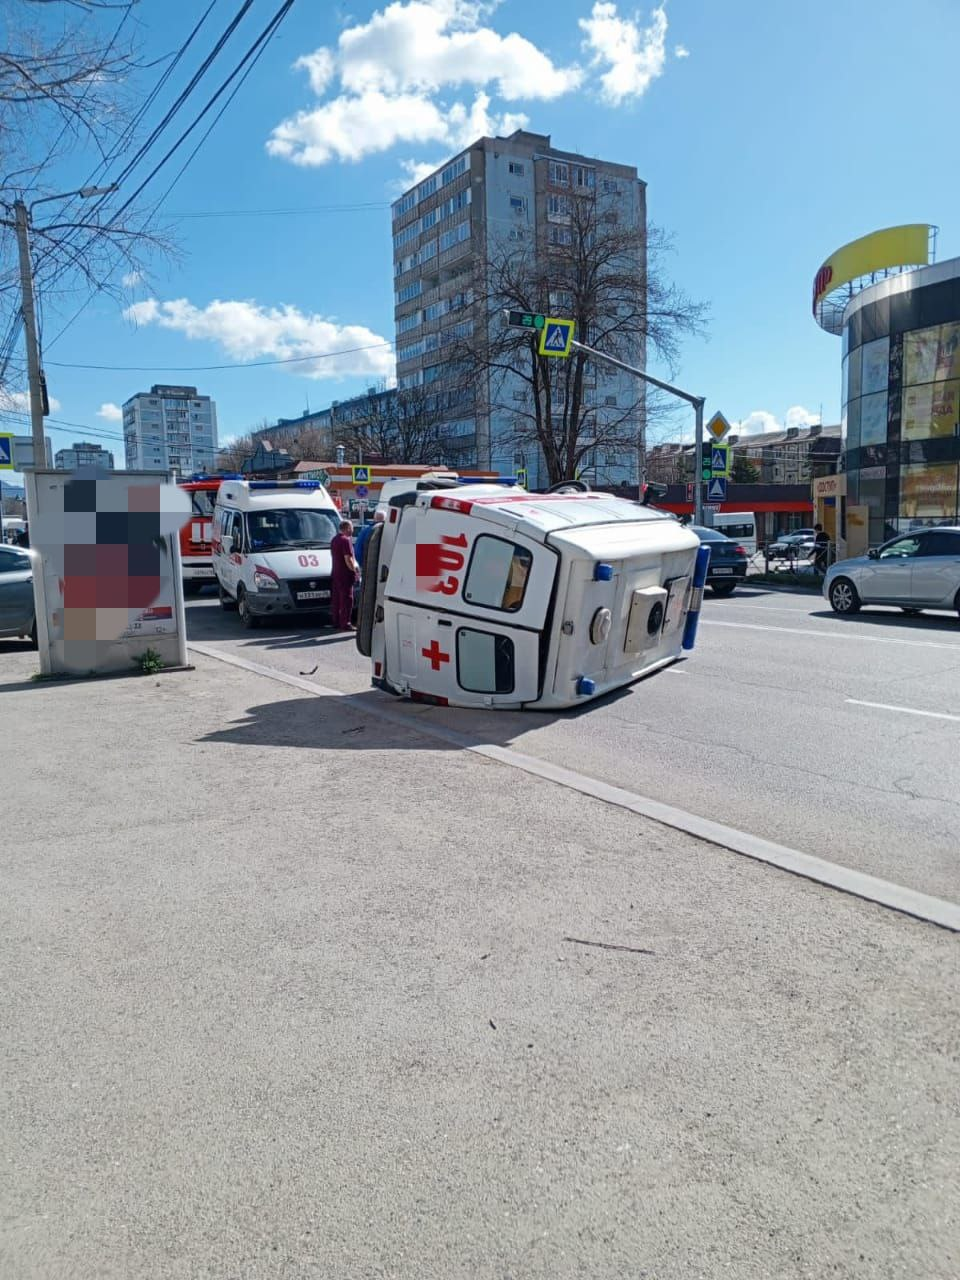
899,320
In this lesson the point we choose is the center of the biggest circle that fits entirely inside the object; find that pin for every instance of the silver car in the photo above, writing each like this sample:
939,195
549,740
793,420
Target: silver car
16,594
916,571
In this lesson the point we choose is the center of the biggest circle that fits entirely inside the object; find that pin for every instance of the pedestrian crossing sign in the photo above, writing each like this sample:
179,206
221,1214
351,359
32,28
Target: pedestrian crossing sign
717,489
556,337
720,459
6,452
361,475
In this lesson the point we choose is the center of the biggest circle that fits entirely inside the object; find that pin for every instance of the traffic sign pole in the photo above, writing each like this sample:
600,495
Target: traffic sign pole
697,402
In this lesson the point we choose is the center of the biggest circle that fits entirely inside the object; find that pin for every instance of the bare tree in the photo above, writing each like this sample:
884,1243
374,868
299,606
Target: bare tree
398,426
234,453
606,276
311,445
68,77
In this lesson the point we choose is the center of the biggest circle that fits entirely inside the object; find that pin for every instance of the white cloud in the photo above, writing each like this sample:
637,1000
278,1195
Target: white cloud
426,44
131,279
392,71
110,412
19,402
634,56
681,51
760,420
246,331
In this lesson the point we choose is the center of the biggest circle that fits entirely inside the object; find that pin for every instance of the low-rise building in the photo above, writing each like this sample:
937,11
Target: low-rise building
83,454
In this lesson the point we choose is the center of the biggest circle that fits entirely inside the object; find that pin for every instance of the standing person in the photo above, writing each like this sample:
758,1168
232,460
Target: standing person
345,573
821,548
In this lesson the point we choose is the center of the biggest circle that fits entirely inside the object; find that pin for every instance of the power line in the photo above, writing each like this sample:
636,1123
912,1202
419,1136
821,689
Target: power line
258,213
206,368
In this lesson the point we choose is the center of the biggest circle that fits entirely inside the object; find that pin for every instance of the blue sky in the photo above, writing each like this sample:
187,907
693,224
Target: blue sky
769,133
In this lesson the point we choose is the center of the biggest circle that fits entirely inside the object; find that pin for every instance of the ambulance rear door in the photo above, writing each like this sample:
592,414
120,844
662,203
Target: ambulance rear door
466,606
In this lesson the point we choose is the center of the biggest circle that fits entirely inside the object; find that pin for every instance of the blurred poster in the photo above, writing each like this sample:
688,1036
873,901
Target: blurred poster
932,410
876,361
873,419
932,355
929,490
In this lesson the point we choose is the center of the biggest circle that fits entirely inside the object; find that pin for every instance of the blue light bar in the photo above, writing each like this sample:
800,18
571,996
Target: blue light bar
508,480
284,484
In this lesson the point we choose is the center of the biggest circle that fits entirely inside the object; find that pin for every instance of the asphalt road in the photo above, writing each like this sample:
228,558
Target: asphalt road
836,736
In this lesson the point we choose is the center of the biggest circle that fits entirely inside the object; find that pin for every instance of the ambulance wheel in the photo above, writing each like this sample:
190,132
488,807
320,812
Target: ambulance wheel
367,605
248,620
723,588
227,603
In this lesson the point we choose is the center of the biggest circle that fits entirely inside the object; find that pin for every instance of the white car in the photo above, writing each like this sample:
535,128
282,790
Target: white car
914,571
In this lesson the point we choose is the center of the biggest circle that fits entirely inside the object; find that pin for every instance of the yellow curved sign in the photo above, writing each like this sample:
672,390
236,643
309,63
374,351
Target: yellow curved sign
907,246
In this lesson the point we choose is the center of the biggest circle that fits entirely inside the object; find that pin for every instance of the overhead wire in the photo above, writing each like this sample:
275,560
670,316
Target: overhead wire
253,52
206,368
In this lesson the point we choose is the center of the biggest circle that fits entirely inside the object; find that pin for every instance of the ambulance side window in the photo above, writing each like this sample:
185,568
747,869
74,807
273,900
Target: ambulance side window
484,662
497,574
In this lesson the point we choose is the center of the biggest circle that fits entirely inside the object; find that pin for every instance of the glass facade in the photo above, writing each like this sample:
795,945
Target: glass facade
901,402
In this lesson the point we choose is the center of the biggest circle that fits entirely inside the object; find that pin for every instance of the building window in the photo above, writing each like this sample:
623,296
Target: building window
609,187
412,290
584,177
516,168
453,170
610,400
517,233
560,236
558,207
518,204
559,173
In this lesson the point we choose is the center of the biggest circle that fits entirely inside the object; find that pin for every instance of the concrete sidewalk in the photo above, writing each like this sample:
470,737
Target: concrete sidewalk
292,992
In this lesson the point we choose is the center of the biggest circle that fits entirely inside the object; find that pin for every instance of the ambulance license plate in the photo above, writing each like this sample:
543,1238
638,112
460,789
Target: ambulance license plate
718,572
313,595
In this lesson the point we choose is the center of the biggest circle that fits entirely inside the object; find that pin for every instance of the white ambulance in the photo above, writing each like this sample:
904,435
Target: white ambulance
484,595
271,547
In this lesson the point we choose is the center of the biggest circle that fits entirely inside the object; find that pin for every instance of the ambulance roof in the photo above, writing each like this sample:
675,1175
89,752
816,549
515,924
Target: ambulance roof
262,495
541,514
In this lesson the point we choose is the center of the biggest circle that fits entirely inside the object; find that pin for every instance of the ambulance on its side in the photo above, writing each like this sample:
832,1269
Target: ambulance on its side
484,595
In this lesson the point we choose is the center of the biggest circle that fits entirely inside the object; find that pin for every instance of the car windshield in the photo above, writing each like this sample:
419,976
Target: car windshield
291,527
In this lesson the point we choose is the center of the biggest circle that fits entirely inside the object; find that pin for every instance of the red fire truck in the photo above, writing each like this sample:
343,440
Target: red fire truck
195,551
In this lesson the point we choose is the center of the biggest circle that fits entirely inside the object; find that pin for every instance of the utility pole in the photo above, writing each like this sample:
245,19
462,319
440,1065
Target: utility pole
22,225
697,402
38,392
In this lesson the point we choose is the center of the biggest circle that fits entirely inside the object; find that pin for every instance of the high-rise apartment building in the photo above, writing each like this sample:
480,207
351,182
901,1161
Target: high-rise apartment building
170,429
82,454
503,197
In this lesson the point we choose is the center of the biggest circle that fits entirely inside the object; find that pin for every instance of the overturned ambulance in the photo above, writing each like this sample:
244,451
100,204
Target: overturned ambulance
484,595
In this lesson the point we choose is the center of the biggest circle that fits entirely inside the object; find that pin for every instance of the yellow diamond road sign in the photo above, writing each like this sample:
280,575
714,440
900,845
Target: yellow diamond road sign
556,337
718,426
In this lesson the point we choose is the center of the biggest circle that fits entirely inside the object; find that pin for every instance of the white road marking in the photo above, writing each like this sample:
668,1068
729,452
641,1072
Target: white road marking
832,635
831,874
907,711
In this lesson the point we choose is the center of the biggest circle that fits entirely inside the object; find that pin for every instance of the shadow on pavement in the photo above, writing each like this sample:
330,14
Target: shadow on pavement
386,723
893,617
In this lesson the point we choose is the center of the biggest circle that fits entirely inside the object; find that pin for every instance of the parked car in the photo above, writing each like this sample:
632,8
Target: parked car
798,543
16,594
728,560
915,571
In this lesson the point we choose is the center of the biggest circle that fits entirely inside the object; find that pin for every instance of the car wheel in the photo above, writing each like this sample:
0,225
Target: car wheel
193,586
247,619
956,603
843,596
227,602
911,613
723,588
